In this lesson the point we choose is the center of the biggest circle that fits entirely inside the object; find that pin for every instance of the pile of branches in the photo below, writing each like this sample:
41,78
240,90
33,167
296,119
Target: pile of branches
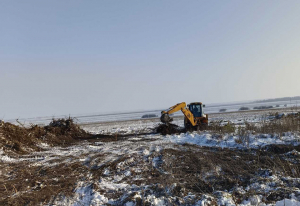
20,139
66,127
165,129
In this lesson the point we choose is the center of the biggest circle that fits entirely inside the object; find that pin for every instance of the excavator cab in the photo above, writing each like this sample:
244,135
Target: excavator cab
196,108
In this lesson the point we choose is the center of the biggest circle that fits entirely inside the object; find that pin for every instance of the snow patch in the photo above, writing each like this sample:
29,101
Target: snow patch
6,158
288,202
229,141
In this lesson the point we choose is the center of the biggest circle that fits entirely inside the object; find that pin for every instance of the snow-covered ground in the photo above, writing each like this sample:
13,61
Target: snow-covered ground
140,169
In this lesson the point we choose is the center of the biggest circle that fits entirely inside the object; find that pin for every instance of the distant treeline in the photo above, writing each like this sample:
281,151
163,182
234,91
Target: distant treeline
279,99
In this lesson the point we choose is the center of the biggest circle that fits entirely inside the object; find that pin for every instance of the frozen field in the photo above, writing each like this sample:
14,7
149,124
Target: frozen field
140,167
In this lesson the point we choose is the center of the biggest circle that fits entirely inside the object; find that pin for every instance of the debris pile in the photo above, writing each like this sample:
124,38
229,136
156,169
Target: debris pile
66,127
21,139
165,129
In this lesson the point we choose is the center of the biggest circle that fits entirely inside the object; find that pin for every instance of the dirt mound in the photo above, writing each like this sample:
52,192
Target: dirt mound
169,129
20,139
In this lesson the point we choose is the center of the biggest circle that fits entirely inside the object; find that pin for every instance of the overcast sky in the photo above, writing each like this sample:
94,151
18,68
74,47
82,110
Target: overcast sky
76,57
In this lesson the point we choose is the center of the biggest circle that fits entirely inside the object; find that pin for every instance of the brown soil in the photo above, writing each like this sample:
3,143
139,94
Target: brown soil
36,185
281,149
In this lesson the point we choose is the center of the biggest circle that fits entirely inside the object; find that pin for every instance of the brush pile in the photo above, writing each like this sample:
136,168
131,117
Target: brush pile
165,129
21,139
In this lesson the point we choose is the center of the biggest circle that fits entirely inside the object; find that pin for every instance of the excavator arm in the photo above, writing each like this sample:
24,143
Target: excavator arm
165,118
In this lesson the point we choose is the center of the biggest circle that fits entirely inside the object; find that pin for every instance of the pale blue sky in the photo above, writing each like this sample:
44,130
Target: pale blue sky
73,57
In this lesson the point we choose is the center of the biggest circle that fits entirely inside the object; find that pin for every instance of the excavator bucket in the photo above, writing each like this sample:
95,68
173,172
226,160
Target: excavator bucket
165,118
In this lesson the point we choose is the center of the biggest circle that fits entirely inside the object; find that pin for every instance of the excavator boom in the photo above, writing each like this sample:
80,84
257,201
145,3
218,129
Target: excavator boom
165,118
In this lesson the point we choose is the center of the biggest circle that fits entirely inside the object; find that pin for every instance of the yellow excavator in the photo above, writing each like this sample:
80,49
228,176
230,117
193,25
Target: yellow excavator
194,118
